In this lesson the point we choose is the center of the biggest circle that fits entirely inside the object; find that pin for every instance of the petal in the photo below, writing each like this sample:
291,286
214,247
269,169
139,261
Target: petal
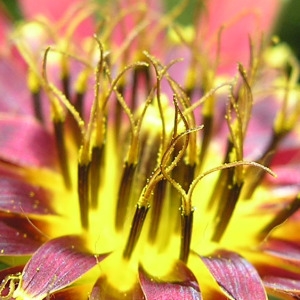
283,249
18,240
21,198
240,19
57,10
183,285
23,142
13,89
288,175
53,10
235,275
57,264
4,29
281,285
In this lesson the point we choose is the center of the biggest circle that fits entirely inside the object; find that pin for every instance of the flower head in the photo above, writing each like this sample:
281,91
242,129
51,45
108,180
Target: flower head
136,164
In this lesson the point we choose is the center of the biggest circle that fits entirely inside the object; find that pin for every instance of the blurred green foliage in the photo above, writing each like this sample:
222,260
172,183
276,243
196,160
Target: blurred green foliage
288,27
13,8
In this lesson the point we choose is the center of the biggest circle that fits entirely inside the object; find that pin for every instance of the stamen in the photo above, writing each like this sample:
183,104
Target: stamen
124,195
36,97
118,113
206,137
282,216
156,212
35,89
65,79
186,234
62,151
78,102
95,178
184,174
83,192
58,121
231,195
207,116
231,180
255,176
222,182
226,206
141,75
283,124
135,230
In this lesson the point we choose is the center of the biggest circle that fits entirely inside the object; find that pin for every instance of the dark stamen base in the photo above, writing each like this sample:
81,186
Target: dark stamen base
282,216
83,193
225,210
36,98
96,165
135,231
156,211
62,152
186,235
124,195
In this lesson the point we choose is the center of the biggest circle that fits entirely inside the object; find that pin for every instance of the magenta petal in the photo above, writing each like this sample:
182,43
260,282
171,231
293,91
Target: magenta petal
25,142
15,97
54,10
14,241
183,285
56,264
283,285
21,198
286,250
236,276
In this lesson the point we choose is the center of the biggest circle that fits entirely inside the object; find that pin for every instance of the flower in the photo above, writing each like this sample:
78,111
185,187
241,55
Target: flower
128,173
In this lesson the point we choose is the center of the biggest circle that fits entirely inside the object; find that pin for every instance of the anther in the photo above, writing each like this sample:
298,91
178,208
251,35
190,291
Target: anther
124,194
35,89
83,192
65,78
141,77
283,215
186,234
227,205
62,152
255,176
157,206
95,178
135,230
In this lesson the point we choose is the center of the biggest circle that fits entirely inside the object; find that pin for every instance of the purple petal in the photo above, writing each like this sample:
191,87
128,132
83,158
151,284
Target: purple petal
184,286
283,249
286,175
26,143
57,264
16,241
236,276
21,198
15,97
283,285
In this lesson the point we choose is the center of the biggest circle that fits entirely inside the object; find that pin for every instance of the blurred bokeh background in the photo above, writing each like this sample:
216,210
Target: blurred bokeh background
287,28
